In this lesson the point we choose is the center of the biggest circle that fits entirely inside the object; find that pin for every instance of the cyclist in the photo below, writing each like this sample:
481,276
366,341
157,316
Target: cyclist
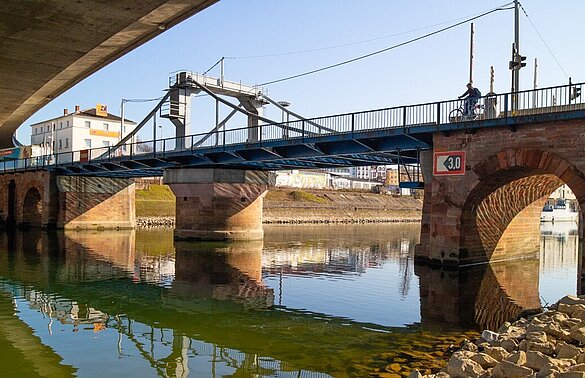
471,97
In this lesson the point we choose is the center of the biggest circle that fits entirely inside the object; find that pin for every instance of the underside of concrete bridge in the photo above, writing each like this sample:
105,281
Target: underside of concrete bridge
48,46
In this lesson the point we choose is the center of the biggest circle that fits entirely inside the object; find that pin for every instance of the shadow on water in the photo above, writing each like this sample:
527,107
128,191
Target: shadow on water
211,308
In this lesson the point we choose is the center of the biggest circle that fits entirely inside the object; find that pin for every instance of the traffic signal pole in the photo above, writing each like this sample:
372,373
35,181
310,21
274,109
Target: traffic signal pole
516,57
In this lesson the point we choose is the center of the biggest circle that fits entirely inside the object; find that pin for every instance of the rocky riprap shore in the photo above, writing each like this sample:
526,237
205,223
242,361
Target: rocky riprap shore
151,222
549,344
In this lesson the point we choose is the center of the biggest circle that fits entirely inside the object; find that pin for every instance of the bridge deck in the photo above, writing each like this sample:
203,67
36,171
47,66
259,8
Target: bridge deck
374,137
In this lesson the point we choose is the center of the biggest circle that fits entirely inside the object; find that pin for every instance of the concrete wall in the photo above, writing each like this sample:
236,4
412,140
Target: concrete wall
492,212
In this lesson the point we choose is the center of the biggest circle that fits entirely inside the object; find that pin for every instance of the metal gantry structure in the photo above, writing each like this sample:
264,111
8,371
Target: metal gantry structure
386,136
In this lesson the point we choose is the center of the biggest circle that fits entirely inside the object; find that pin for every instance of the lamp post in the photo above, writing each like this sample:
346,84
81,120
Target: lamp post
285,116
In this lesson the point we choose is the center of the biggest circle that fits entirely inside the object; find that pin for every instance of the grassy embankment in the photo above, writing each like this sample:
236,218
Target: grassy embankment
302,206
156,201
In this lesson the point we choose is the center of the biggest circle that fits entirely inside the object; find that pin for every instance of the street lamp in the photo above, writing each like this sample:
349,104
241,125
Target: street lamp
285,116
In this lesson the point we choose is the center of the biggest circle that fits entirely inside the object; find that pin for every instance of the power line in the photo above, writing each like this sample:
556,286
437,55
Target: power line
216,63
542,39
502,7
343,44
142,99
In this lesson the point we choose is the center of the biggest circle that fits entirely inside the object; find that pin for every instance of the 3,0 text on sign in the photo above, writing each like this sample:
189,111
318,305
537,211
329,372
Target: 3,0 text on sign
449,163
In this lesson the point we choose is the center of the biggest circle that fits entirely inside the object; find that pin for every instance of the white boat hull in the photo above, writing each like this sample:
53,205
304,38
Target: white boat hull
559,215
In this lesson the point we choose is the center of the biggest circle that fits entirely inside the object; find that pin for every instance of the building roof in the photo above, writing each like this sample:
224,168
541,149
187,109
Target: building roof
92,113
88,113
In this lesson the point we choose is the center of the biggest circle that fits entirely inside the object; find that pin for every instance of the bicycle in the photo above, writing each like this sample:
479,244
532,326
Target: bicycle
458,114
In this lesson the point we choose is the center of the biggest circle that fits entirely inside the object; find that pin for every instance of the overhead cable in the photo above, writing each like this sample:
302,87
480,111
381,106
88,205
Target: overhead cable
343,44
542,39
141,99
500,8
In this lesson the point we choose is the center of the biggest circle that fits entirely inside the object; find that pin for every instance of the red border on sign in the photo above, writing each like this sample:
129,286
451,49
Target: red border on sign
449,153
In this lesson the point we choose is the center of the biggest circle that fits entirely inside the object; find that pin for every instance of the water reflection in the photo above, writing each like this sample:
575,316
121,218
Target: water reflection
308,301
559,260
484,295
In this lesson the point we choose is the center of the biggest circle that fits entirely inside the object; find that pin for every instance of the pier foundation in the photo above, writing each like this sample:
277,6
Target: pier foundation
218,204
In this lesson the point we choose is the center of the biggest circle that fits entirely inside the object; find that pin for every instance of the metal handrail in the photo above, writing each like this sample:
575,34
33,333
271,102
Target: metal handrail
492,106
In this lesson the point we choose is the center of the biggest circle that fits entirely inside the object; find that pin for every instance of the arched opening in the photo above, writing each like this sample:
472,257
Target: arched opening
501,216
32,209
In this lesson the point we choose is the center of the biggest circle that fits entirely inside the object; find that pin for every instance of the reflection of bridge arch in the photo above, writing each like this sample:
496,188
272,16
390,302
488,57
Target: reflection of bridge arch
32,208
483,295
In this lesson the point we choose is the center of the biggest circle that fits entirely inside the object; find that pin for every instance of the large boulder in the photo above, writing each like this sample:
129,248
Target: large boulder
463,367
568,351
536,360
517,358
498,353
490,337
506,369
484,360
578,334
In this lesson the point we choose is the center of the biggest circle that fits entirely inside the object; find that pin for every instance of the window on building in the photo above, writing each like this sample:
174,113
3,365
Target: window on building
66,142
60,125
106,126
48,128
60,144
106,143
67,125
88,124
87,143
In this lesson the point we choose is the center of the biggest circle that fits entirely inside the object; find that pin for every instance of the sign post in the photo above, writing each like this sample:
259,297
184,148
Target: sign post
449,163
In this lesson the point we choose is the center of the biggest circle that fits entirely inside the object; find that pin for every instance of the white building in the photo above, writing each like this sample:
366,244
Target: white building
88,129
373,172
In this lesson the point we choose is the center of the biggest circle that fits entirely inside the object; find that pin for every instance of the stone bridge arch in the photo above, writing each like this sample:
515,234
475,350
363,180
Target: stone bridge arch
32,208
501,215
32,201
493,212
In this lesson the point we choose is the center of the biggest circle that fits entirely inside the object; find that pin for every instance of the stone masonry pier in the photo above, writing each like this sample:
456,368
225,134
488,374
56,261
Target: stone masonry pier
492,212
218,204
43,199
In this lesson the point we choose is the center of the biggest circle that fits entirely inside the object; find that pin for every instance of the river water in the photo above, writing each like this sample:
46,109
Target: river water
308,301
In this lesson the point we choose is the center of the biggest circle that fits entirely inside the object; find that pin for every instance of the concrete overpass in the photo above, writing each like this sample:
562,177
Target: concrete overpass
49,46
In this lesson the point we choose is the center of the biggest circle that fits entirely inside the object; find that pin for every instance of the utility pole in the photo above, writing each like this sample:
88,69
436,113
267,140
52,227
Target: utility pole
492,78
517,61
534,98
471,54
516,45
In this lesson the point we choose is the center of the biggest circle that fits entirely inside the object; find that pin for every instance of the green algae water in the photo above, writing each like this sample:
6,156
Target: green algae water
308,301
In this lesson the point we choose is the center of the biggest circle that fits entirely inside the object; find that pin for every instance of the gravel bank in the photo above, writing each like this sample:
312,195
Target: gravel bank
283,206
548,344
152,222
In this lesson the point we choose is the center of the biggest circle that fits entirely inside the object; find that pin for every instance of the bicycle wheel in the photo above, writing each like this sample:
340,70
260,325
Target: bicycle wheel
456,115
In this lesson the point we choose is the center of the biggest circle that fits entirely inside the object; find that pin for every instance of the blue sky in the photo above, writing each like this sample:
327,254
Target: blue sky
432,69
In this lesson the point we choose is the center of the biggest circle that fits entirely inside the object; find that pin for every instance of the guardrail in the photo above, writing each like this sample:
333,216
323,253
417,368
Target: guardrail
491,106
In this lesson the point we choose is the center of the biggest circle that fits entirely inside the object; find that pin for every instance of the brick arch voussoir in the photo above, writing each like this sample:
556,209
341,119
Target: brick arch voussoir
537,172
21,195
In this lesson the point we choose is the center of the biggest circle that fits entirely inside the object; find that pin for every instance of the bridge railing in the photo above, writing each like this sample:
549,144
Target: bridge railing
490,107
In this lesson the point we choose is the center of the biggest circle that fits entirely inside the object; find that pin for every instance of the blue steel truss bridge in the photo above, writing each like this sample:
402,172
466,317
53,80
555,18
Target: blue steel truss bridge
393,135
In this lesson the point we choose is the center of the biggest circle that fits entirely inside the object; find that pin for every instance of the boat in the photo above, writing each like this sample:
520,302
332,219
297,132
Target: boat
558,212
